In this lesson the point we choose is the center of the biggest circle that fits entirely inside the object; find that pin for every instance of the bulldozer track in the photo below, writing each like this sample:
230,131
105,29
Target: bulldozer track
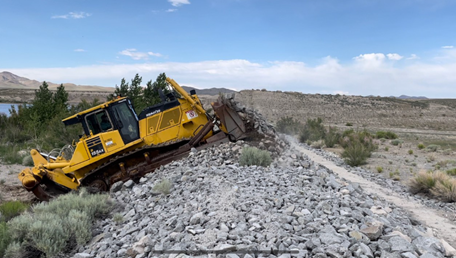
94,174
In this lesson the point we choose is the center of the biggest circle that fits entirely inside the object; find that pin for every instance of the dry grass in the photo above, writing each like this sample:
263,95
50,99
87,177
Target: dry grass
437,183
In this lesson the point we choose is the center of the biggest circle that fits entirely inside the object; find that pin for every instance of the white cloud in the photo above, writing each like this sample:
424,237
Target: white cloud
448,47
369,61
394,56
178,2
171,10
72,15
385,78
133,53
412,57
79,50
154,54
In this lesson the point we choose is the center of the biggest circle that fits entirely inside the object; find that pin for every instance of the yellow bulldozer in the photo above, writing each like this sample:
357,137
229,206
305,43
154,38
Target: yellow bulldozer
118,144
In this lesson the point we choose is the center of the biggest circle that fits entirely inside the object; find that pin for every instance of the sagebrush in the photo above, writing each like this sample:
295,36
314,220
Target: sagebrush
50,226
288,125
253,156
438,184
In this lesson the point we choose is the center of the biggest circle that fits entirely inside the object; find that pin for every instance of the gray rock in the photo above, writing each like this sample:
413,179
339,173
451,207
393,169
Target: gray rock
129,184
197,218
428,244
408,255
83,255
399,244
373,230
116,187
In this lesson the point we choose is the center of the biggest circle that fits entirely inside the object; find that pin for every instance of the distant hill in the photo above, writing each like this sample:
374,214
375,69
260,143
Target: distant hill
11,81
411,97
211,91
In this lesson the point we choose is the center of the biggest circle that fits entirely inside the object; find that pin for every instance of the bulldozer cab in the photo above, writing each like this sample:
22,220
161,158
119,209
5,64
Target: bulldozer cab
115,115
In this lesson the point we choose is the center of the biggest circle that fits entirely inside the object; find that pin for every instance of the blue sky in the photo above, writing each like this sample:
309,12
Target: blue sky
357,47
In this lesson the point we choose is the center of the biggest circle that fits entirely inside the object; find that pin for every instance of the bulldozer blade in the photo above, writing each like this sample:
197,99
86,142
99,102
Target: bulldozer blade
231,120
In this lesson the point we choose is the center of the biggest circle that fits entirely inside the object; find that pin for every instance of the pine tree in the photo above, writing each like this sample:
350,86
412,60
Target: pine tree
43,103
151,94
60,99
135,93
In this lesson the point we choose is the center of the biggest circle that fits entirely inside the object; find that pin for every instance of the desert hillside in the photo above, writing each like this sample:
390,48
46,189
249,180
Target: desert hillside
340,110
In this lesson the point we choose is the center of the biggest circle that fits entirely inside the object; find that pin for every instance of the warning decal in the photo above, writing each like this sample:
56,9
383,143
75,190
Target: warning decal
191,114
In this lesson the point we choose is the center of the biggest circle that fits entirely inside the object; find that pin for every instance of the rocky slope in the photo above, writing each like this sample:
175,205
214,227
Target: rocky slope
292,208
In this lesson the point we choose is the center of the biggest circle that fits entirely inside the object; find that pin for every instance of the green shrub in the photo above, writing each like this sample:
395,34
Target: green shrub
288,125
332,137
423,182
253,156
396,142
12,209
79,224
410,152
391,135
445,190
379,169
8,153
51,225
27,161
451,172
386,148
348,124
5,238
355,154
385,135
118,218
396,176
347,132
14,250
49,233
358,146
313,130
19,227
432,147
94,205
421,146
164,186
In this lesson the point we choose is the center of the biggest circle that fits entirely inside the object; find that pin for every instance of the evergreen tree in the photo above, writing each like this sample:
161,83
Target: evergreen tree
61,99
43,103
151,94
135,93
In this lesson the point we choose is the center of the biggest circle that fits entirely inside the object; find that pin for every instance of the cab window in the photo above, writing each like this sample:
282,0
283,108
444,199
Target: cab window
98,122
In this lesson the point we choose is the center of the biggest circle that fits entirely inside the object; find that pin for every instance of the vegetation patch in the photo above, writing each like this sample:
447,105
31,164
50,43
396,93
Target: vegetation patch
164,186
385,135
49,227
396,142
438,184
288,125
253,156
12,209
432,148
313,130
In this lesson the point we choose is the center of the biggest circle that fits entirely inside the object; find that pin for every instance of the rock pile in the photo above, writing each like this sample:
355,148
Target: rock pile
254,121
293,208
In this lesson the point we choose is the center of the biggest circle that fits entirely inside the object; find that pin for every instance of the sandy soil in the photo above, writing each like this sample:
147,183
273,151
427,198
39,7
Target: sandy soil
10,186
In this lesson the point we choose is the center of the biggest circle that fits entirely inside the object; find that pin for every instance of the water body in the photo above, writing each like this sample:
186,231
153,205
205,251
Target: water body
4,108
